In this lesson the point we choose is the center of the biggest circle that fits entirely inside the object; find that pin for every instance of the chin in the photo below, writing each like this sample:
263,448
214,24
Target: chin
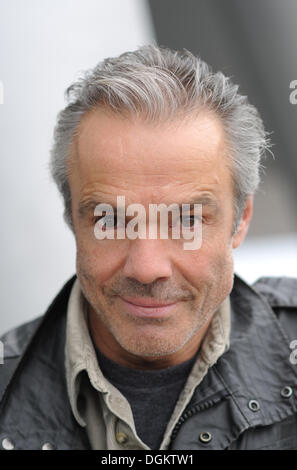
153,345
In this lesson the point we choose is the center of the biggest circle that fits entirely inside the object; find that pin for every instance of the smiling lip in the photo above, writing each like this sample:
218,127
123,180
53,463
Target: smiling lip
147,307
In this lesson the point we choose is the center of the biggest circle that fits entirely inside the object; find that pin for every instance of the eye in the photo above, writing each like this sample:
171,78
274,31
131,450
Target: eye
109,222
190,221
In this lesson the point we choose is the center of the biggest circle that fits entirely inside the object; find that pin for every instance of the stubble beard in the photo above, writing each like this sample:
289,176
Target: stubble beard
148,340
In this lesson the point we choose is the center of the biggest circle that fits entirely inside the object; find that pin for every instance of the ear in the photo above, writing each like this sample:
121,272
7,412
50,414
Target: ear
244,223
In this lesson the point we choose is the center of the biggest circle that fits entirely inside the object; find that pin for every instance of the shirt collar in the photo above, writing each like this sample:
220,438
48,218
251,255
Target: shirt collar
79,351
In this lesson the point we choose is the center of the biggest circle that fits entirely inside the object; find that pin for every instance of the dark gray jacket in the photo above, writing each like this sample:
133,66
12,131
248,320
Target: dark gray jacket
247,400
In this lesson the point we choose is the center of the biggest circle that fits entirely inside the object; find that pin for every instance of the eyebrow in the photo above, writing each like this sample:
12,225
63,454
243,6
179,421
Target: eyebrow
204,199
90,203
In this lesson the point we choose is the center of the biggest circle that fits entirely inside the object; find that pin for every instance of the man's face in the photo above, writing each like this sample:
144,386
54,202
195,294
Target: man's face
152,164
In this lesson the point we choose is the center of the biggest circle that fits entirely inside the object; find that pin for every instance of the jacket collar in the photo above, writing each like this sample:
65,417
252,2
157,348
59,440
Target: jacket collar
43,404
260,356
243,389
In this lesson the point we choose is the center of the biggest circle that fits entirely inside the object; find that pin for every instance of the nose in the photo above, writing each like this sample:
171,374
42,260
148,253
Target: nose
147,261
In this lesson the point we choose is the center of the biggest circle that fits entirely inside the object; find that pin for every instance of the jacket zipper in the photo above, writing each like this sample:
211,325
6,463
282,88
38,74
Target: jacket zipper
190,412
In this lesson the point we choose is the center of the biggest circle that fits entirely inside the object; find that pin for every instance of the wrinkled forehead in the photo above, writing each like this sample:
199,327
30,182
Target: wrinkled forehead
123,153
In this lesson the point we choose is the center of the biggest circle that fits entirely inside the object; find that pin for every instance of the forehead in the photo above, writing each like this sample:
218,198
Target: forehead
118,153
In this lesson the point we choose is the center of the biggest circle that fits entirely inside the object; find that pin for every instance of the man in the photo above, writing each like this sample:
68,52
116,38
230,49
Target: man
151,345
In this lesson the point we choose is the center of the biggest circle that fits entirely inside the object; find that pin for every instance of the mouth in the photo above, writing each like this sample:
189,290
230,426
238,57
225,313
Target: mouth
147,307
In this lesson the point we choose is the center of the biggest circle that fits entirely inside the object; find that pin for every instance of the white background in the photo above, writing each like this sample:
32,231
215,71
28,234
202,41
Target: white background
44,45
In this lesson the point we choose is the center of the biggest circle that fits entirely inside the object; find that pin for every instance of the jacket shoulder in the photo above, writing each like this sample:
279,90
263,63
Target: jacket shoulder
20,344
15,340
279,291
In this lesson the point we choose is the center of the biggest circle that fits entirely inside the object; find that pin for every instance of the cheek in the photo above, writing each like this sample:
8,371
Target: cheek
97,262
212,263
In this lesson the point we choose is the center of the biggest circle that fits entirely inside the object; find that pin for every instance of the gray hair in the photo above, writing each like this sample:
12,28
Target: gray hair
159,84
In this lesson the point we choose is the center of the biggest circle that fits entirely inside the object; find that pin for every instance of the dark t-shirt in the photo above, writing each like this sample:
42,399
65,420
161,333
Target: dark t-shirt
152,394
